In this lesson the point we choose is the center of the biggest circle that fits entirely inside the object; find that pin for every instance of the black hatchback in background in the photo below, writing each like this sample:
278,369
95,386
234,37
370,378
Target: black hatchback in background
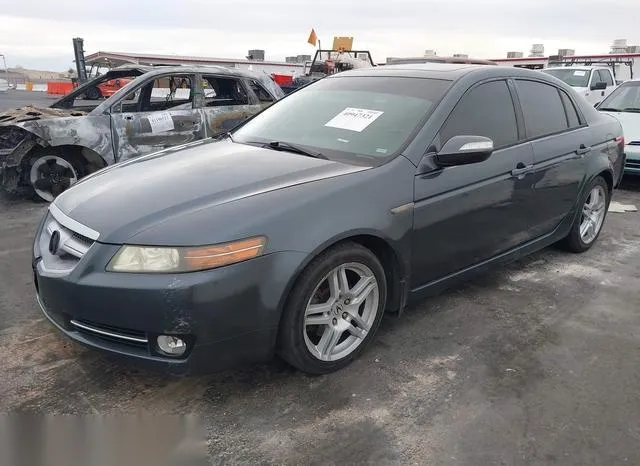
293,234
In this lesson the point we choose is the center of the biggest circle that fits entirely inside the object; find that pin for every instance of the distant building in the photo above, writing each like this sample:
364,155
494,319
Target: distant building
566,52
515,54
619,46
429,53
460,55
256,54
537,50
633,49
298,59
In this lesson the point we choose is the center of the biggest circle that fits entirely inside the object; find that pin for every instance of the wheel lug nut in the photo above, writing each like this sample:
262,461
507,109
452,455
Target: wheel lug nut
347,301
344,315
335,321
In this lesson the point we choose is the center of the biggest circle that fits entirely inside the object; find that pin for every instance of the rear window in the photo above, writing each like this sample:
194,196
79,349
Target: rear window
573,77
348,117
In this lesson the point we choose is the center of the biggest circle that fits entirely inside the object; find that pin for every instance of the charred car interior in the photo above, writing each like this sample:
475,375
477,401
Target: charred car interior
44,151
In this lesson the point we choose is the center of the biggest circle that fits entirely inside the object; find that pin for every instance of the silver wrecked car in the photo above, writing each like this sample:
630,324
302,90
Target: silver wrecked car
46,150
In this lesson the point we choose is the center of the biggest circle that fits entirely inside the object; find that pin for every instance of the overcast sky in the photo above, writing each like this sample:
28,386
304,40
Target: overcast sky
37,33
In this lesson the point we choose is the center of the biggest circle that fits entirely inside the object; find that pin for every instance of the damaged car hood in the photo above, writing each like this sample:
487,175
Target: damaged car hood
31,113
122,200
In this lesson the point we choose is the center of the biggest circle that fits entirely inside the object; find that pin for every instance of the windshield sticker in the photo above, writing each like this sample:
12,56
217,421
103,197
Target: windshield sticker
354,119
346,141
160,122
579,73
382,151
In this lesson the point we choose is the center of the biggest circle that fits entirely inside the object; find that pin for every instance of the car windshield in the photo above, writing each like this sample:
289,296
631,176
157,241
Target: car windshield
573,77
626,98
352,118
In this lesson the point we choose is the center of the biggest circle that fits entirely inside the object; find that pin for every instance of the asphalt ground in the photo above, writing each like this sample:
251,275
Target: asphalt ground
534,363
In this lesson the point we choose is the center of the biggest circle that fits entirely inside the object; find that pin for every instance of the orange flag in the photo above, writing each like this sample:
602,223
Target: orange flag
313,38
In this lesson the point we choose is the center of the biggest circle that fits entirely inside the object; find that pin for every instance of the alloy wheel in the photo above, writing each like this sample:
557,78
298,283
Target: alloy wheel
593,212
341,311
50,175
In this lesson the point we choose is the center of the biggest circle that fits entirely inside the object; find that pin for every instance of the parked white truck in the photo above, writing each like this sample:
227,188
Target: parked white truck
593,82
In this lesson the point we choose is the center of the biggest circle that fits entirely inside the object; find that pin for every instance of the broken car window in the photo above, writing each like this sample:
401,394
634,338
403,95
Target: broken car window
223,91
261,93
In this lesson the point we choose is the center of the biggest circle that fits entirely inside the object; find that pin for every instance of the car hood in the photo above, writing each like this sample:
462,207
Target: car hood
31,113
126,198
630,124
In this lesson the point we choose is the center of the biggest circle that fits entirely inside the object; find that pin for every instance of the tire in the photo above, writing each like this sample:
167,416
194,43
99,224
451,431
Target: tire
49,173
577,241
349,326
93,93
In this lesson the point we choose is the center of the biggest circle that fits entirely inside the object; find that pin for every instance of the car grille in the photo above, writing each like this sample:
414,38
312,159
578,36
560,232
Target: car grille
635,164
634,143
61,255
126,337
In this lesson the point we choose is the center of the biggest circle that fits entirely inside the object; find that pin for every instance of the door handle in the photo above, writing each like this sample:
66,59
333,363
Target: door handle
583,149
128,117
521,169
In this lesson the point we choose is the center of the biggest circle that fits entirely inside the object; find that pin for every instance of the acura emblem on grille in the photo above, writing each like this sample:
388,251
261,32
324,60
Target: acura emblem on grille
54,242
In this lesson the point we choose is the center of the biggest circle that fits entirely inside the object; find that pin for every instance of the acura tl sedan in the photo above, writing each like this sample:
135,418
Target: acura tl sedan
294,233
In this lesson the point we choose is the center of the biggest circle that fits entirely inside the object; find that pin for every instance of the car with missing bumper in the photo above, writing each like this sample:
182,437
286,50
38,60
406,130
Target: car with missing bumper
624,104
297,231
46,150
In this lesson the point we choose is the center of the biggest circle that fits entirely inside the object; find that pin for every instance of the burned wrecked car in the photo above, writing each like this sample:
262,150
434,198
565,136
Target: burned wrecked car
47,150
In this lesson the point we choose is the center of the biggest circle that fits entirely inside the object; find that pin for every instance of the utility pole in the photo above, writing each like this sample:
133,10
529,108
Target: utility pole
6,70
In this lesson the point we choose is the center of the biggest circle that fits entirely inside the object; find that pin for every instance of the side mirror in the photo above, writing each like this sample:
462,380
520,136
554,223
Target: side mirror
463,150
600,85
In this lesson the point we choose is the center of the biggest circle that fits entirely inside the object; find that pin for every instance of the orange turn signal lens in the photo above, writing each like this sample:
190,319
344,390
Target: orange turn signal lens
209,257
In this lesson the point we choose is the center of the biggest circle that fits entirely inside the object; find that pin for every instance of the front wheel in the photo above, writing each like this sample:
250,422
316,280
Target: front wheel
588,224
50,174
334,310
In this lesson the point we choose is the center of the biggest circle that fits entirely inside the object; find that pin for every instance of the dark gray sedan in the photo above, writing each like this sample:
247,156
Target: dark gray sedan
293,234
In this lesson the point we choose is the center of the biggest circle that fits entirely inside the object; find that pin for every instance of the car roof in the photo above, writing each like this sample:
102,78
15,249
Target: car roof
157,70
448,71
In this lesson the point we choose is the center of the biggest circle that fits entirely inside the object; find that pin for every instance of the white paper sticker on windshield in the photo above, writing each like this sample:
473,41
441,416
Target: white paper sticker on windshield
579,73
354,119
160,122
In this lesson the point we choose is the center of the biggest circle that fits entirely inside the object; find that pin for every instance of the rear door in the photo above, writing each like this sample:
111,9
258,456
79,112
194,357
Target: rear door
158,114
227,102
561,140
469,213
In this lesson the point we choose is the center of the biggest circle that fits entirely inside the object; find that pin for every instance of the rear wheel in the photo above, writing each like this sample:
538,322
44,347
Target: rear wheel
50,174
334,310
93,93
589,222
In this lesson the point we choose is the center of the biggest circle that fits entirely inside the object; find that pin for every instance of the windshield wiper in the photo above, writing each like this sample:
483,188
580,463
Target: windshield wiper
609,109
222,136
631,109
286,146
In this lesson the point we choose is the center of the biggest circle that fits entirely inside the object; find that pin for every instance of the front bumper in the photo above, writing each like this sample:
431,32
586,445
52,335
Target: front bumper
227,316
632,163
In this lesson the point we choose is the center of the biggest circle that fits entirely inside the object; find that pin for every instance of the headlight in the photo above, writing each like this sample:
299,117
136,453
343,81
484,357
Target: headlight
147,259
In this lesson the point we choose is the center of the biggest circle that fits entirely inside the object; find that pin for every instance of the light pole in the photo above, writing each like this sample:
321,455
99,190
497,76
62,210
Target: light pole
6,70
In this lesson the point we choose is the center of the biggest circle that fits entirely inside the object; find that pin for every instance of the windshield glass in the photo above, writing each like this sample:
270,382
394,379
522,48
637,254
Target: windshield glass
574,78
626,98
348,118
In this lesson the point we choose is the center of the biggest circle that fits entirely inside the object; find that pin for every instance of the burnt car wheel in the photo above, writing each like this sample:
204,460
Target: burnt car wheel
589,221
334,310
51,174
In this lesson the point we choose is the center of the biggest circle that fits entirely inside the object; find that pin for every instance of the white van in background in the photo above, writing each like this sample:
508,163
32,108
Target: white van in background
593,82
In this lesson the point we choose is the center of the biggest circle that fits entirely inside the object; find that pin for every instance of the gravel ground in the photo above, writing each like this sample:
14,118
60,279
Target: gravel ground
534,363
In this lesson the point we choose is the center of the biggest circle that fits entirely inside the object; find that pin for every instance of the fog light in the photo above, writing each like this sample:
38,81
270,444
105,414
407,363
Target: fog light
171,345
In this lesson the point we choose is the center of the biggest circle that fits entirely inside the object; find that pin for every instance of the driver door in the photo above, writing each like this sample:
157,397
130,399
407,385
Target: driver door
159,114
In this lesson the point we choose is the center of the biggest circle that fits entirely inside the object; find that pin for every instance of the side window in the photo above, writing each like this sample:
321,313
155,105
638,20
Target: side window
605,77
261,92
220,91
170,92
485,111
542,108
572,113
